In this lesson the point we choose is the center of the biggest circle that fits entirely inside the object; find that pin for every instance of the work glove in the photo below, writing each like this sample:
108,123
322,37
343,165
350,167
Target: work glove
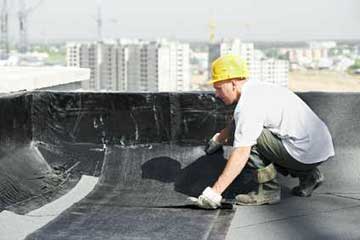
209,199
213,144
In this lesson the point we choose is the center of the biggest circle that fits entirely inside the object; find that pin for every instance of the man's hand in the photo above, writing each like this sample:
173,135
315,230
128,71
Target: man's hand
213,145
209,199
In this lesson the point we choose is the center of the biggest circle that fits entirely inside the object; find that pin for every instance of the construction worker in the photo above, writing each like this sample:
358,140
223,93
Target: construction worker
274,130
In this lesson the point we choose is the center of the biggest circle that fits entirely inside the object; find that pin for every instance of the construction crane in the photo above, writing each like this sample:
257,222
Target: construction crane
212,29
23,15
4,26
99,21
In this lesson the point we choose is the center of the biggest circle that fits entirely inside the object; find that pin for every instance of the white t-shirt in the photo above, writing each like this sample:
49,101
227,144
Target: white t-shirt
264,105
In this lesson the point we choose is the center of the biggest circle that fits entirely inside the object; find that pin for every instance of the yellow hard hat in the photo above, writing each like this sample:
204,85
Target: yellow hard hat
228,67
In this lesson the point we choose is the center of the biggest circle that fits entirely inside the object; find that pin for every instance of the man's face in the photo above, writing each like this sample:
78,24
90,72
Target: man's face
225,90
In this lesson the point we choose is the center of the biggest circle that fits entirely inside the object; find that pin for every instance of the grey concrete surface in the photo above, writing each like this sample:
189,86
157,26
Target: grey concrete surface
322,216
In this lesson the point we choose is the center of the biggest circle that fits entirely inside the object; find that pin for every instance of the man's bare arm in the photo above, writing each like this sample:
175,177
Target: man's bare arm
225,133
237,160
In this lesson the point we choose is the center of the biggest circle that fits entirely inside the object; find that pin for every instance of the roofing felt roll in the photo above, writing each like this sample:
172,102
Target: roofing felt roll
142,195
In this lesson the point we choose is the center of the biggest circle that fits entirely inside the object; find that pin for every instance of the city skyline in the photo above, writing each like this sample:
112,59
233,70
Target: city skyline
251,20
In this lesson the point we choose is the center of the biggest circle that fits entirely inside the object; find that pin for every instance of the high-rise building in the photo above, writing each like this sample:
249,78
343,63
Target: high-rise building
178,68
159,66
105,61
274,71
134,66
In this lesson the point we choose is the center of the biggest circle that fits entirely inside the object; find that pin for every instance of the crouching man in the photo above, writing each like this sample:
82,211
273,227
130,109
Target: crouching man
274,130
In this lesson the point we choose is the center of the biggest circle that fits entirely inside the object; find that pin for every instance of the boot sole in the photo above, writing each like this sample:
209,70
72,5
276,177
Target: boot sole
258,203
313,189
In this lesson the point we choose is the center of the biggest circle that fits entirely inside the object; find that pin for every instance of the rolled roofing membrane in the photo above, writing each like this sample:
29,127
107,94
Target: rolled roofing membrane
147,152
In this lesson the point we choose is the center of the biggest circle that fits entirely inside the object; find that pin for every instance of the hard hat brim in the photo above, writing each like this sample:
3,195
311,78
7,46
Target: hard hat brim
212,81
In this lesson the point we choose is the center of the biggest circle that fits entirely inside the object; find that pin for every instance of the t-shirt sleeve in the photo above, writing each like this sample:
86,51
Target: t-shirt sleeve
249,122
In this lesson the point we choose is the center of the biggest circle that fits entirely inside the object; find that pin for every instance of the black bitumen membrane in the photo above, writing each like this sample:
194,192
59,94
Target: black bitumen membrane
148,151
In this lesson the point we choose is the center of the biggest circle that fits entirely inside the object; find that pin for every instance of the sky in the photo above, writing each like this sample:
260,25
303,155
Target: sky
258,20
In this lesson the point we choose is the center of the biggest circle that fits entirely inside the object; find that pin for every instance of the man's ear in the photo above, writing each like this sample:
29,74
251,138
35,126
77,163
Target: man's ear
233,83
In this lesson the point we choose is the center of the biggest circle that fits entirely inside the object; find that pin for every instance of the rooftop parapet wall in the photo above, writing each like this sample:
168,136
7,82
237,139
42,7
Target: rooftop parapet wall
15,120
340,112
127,119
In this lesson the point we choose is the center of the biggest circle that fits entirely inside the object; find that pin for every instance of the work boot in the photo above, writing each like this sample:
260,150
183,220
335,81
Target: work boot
308,183
267,193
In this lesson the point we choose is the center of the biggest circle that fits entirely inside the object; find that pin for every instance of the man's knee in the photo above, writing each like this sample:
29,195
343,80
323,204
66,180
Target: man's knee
263,138
266,174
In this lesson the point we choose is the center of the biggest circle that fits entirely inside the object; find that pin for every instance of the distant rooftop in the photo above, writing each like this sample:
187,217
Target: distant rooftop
32,78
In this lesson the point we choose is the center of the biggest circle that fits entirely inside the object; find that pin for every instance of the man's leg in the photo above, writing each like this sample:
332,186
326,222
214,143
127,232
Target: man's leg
268,189
309,175
268,151
308,182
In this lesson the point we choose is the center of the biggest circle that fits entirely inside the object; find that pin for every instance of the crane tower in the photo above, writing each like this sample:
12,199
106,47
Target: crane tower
4,26
23,15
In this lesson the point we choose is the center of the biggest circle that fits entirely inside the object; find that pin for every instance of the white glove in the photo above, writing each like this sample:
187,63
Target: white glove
209,199
213,144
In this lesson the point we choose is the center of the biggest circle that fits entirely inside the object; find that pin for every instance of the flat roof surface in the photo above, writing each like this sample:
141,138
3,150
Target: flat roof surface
31,78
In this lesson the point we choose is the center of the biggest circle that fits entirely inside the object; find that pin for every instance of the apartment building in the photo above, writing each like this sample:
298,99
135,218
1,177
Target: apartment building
133,66
274,71
105,61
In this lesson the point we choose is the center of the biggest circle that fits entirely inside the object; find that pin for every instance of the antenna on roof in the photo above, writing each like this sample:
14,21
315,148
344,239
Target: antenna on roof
4,26
99,20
